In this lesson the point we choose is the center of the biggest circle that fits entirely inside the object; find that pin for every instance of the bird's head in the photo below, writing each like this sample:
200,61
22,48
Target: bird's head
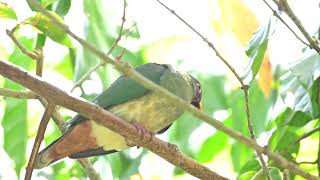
197,95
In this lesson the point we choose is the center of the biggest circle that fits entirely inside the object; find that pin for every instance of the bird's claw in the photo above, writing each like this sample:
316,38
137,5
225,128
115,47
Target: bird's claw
145,135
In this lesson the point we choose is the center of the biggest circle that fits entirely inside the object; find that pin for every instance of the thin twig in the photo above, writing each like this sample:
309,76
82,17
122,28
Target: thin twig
275,13
40,134
17,94
39,66
85,163
244,87
57,117
130,72
207,41
31,54
283,5
252,134
114,44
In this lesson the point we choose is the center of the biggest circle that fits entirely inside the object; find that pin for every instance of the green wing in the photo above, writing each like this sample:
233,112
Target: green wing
125,89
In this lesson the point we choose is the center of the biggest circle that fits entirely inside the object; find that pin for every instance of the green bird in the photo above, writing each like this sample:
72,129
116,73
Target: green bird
133,103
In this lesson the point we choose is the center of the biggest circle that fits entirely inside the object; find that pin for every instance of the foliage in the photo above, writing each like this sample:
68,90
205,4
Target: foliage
298,88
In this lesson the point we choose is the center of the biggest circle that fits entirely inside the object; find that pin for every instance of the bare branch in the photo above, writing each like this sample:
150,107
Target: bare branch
57,117
275,13
85,163
253,137
283,5
107,119
17,94
40,134
31,54
245,88
102,63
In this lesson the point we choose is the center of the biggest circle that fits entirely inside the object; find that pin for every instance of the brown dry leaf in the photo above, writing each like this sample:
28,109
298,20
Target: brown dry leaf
235,18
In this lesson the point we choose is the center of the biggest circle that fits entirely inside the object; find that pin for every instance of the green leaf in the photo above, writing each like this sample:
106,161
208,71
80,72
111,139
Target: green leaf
46,3
41,40
65,67
247,176
274,172
14,121
257,48
180,131
6,12
48,28
212,146
63,7
240,154
315,97
251,165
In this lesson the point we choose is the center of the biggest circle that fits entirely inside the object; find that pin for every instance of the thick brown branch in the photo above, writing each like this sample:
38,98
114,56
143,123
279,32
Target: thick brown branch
107,119
112,122
40,134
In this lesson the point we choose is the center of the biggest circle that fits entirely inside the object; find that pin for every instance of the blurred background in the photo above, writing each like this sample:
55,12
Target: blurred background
155,35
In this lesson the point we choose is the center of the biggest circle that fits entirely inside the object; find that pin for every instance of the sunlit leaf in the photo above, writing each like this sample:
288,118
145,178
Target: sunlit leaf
247,175
212,146
265,75
7,12
49,28
257,48
46,3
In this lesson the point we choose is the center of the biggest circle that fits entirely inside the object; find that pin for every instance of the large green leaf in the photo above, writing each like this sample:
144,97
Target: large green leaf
257,48
14,120
50,29
7,12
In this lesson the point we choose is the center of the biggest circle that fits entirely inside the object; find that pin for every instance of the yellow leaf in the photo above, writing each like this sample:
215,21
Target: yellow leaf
234,23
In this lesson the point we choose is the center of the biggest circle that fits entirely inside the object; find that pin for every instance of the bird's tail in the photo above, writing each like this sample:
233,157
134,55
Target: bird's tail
75,140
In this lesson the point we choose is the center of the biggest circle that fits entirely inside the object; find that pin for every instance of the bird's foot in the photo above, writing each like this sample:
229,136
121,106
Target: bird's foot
145,134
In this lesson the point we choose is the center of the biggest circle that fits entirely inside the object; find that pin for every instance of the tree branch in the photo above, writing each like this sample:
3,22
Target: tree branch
102,63
284,6
275,13
57,117
40,134
17,94
130,72
244,87
107,119
85,163
252,135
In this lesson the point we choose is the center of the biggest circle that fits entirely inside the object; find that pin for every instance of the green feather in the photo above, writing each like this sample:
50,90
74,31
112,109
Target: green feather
124,89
